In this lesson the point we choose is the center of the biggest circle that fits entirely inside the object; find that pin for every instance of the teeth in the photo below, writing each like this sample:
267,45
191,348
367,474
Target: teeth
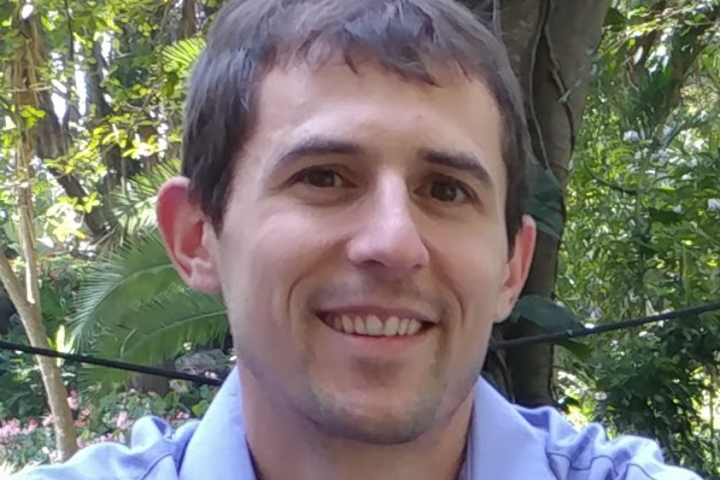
348,324
374,326
360,326
371,325
413,326
402,326
391,327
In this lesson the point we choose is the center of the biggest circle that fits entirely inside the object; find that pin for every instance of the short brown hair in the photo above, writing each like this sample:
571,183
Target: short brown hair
249,37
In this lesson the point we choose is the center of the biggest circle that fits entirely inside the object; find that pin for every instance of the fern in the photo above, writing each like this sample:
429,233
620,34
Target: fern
179,58
123,280
133,206
158,330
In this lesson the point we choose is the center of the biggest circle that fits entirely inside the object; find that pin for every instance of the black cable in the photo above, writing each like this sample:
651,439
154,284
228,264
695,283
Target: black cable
607,327
71,357
518,342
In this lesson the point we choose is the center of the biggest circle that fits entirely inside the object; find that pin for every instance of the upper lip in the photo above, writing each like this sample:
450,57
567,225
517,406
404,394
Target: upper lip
381,312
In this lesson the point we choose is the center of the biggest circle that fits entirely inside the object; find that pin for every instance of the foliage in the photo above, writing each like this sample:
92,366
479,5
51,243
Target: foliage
642,232
107,418
135,308
641,235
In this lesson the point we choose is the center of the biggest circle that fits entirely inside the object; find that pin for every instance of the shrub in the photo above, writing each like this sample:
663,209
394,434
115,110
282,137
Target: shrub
109,418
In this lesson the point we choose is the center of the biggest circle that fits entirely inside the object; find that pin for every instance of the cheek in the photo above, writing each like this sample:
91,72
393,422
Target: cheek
477,273
270,256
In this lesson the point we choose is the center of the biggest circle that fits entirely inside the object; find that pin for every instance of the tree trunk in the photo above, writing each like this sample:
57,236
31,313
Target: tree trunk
553,58
550,44
188,24
112,156
24,81
51,139
30,314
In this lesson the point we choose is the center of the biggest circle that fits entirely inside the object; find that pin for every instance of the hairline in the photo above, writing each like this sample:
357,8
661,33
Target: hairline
296,57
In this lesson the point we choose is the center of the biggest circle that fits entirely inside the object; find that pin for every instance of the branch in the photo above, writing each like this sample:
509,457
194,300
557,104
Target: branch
610,185
536,133
647,41
70,31
188,26
14,288
563,90
686,48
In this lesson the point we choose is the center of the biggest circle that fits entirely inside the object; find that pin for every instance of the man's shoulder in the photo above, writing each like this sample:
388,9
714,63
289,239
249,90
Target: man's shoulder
154,453
587,453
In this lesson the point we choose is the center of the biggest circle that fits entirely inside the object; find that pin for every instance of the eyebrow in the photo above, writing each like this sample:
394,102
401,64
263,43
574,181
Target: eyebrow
459,161
319,146
322,146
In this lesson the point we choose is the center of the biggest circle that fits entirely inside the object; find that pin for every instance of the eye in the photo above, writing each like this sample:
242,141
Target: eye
449,191
321,178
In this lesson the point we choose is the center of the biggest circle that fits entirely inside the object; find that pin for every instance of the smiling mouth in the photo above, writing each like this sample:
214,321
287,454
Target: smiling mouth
375,326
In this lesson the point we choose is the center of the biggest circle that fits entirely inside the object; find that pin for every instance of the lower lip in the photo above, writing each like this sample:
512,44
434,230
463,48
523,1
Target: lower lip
379,345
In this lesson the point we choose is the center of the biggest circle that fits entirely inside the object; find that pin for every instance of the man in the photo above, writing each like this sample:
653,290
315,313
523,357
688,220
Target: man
353,185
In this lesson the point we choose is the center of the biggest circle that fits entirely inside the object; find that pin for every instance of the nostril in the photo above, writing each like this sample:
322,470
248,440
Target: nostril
385,251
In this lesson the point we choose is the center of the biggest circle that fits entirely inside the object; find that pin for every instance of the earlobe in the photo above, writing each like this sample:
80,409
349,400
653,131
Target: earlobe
518,265
187,236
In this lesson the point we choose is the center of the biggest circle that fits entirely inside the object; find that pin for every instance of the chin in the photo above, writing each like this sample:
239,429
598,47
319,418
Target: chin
387,421
379,430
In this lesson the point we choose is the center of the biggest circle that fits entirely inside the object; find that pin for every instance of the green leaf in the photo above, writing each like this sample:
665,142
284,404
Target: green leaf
547,314
180,57
133,205
581,350
548,220
157,330
120,281
546,200
666,217
615,18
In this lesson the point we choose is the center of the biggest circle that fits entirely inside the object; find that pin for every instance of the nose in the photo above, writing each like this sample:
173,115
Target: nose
387,239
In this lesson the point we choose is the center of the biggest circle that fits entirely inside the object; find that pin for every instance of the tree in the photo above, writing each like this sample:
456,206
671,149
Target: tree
643,230
23,73
551,44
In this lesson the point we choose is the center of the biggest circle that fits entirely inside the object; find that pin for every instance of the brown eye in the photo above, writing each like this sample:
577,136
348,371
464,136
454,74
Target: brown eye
447,191
321,178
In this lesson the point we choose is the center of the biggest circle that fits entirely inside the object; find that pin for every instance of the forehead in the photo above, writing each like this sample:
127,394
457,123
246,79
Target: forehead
372,106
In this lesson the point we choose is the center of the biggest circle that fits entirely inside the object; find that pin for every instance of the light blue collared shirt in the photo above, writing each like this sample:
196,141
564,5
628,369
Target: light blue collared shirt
506,442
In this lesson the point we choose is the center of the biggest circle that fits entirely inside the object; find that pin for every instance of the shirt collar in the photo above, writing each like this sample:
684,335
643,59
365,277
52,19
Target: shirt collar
218,449
500,443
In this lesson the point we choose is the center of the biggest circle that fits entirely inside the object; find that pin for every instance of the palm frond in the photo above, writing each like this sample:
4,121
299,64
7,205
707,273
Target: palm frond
133,206
119,282
180,57
158,330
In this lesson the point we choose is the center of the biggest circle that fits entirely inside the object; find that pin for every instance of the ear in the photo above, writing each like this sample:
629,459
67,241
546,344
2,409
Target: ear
188,235
518,266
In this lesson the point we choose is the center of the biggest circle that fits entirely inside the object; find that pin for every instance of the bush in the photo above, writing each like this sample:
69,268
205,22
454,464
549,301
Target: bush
109,418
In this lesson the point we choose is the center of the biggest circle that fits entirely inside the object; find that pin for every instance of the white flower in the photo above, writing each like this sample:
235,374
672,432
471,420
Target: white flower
714,205
631,136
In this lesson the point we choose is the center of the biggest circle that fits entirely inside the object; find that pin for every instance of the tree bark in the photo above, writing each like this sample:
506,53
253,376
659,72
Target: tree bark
31,317
24,81
188,23
112,156
550,44
51,139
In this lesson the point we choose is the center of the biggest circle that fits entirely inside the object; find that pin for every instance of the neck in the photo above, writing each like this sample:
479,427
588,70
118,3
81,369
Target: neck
285,446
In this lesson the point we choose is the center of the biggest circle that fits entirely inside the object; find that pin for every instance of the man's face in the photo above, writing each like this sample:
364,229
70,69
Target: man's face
364,257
